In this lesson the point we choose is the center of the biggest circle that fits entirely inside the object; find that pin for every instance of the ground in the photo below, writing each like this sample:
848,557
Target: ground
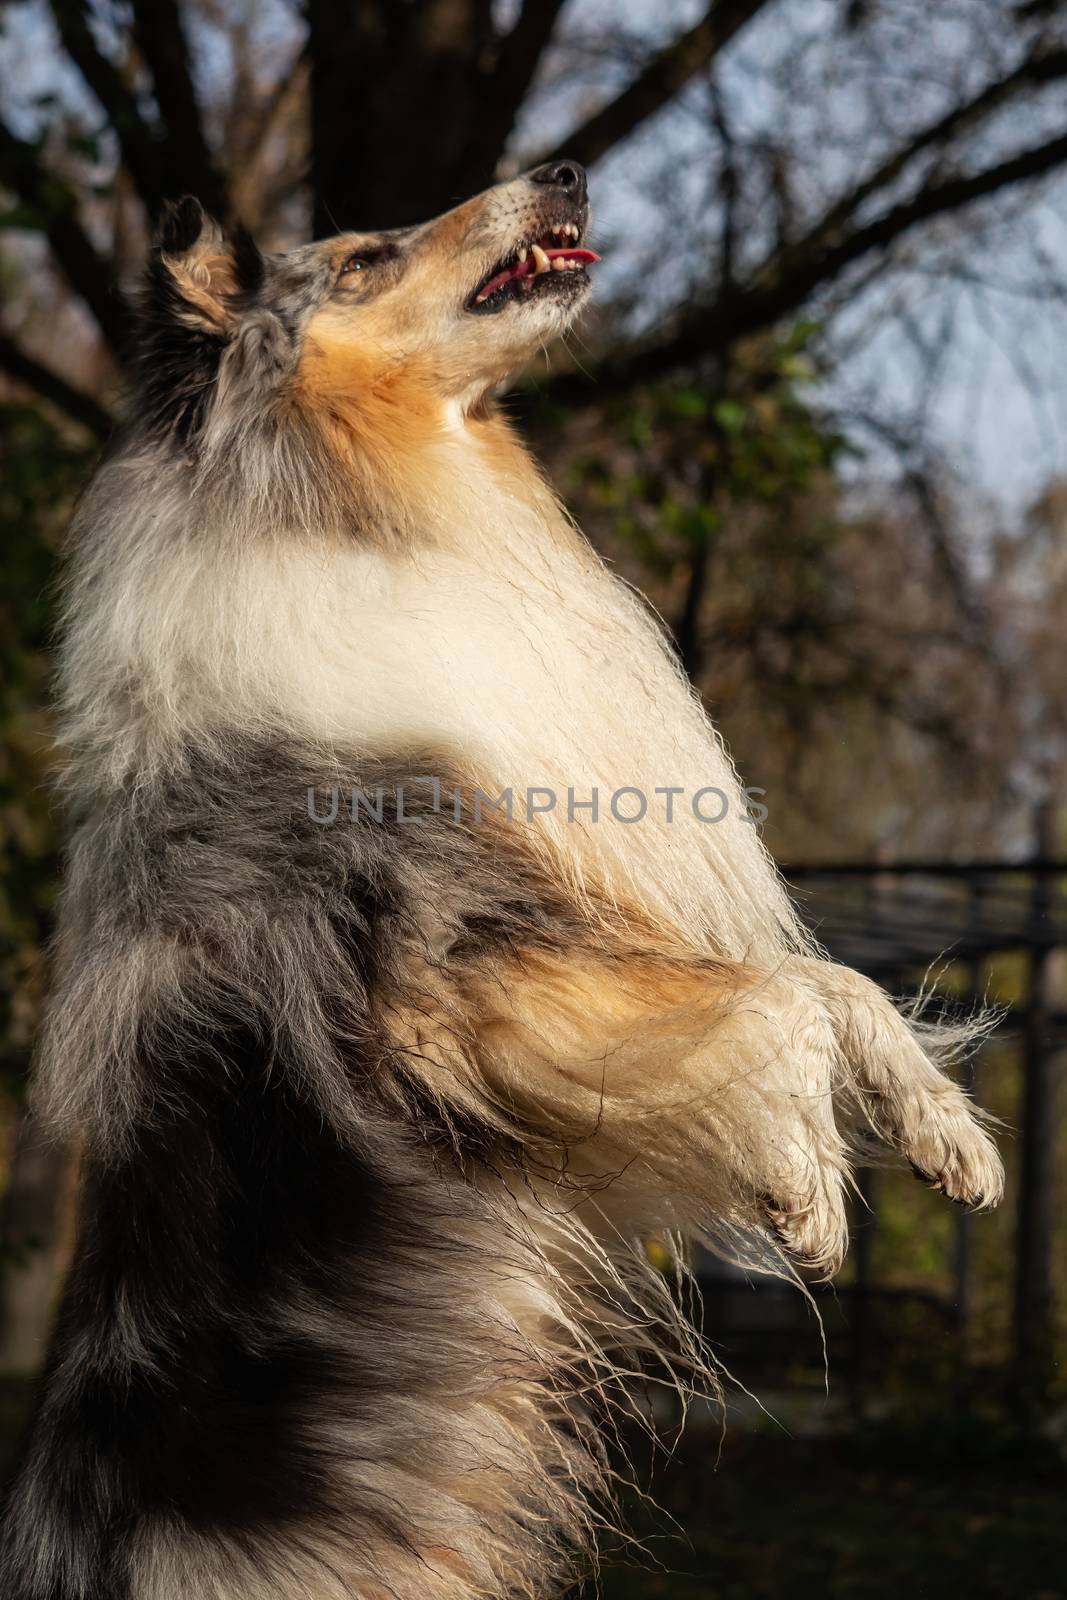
898,1514
792,1519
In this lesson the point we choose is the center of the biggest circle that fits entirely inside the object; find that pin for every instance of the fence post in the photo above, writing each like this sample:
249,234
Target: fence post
963,1258
1033,1331
863,1252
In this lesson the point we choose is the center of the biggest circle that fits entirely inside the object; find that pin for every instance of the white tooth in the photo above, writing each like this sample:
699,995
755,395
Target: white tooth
541,261
523,254
557,265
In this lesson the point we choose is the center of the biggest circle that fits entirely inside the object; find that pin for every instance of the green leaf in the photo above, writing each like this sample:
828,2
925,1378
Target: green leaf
730,415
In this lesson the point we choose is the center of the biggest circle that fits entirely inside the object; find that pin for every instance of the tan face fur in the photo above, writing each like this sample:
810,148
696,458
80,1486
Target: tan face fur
405,302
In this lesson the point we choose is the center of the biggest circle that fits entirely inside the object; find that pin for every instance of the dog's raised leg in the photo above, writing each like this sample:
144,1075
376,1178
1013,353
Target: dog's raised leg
691,1094
711,1091
902,1095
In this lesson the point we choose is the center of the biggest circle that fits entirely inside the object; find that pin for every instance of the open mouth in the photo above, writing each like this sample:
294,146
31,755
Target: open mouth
555,260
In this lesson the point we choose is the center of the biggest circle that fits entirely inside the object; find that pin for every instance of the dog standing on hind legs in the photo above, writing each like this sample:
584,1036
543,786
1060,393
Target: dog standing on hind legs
375,1111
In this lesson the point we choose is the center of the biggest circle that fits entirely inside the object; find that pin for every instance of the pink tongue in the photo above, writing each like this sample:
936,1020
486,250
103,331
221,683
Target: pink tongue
571,255
523,269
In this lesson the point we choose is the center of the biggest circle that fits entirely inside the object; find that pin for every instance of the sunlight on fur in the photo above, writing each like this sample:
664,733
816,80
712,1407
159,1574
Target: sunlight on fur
378,1114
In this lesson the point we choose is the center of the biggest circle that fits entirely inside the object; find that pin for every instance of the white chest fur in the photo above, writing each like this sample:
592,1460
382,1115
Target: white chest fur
500,641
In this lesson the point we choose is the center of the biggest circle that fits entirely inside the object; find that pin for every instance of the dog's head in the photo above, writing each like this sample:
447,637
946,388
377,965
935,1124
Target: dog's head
459,302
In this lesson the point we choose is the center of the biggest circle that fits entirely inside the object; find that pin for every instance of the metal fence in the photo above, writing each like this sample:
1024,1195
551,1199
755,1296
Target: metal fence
897,923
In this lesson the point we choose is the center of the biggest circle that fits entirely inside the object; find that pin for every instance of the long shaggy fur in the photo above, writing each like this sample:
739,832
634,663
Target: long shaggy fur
380,1087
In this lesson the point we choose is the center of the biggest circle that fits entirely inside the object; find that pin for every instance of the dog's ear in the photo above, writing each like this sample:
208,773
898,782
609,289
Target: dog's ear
198,274
199,284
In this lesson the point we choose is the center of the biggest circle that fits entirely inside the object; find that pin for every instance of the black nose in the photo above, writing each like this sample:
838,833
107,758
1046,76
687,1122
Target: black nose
566,175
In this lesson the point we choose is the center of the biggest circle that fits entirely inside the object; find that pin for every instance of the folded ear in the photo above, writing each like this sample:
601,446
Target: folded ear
197,274
198,285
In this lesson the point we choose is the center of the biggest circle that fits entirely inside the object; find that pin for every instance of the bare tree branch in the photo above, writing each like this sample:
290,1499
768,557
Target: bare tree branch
665,75
78,405
452,24
804,268
53,204
1041,67
729,184
784,284
160,36
251,167
521,49
262,124
517,60
137,141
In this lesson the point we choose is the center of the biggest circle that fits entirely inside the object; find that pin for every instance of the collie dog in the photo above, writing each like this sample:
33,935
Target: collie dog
417,959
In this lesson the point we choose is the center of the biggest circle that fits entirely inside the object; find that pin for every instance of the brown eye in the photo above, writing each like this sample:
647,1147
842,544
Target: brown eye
371,255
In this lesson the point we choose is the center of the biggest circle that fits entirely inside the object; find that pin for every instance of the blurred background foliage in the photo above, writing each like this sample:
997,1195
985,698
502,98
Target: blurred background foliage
816,413
42,466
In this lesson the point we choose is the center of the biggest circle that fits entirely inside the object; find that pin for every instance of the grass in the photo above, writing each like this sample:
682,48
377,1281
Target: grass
878,1515
855,1519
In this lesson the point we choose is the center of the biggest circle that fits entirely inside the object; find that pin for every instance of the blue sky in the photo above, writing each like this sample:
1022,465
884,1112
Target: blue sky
995,410
997,413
